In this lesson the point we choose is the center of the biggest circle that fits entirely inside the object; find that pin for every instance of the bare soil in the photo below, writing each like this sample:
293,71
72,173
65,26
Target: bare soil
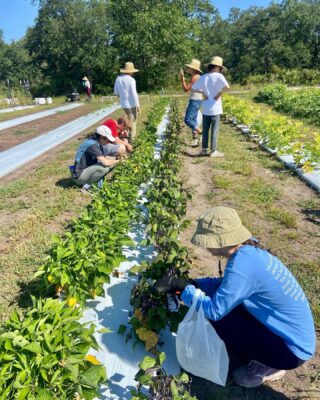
21,133
199,175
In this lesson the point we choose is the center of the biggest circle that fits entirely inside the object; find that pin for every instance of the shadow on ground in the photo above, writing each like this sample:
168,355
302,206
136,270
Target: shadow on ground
34,288
312,215
205,390
65,183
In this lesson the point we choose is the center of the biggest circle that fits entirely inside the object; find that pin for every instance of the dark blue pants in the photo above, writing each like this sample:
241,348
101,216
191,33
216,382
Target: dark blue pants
248,339
190,118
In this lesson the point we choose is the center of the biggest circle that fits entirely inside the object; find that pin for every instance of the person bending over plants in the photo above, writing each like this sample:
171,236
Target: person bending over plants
120,131
258,308
91,162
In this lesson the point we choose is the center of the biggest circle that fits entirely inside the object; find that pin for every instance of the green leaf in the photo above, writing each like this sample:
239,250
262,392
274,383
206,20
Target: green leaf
44,394
184,378
122,329
161,358
93,376
22,394
104,330
34,347
147,362
174,391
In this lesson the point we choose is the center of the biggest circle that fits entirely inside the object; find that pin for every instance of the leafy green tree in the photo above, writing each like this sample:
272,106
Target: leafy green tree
159,36
71,38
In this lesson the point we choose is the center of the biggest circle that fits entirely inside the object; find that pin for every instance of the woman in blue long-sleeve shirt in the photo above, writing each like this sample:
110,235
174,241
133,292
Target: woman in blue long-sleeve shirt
258,308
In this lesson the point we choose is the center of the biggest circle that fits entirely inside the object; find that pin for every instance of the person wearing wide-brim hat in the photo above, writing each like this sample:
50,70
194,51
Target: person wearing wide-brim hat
87,86
125,88
195,99
257,308
212,84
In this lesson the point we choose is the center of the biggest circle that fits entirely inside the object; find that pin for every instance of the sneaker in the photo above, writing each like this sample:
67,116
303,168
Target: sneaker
255,374
195,142
216,154
204,153
85,189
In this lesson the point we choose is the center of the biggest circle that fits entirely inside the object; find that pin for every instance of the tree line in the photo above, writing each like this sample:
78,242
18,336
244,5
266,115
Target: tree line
73,38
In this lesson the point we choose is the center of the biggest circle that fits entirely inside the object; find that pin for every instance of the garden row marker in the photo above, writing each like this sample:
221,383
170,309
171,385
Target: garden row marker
23,153
17,108
32,117
120,358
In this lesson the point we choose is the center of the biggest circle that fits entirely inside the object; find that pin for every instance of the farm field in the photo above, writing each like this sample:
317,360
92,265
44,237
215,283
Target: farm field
58,101
21,133
280,209
37,201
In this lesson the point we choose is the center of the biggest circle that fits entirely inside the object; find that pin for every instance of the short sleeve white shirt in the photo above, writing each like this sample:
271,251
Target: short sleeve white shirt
211,84
125,88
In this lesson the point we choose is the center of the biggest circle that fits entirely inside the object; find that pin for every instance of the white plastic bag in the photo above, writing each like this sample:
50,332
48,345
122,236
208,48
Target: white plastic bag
200,350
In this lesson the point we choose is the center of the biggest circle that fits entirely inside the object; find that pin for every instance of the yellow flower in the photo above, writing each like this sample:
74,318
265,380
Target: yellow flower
92,359
50,278
72,301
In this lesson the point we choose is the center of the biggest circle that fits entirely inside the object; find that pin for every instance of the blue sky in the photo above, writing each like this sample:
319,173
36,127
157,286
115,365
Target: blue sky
17,15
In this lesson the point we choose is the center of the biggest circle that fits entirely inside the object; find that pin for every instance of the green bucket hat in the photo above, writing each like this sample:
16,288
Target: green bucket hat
220,227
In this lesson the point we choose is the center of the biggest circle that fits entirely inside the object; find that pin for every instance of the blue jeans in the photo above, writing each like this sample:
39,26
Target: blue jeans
190,118
213,121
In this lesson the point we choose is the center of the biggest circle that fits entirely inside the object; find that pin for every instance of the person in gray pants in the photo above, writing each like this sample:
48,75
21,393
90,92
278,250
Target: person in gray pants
91,163
212,84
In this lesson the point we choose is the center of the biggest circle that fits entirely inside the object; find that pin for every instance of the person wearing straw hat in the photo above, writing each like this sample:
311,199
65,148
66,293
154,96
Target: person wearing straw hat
212,84
87,86
125,88
257,308
195,99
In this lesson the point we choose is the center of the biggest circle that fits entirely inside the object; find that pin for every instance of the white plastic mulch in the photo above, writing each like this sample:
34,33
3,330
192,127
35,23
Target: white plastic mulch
121,359
17,108
19,155
32,117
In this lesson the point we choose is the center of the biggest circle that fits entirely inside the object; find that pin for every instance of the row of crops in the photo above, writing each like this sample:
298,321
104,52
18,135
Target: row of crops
304,103
45,350
277,132
166,204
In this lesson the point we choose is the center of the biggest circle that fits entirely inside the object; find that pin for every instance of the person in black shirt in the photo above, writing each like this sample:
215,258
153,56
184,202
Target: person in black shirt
91,164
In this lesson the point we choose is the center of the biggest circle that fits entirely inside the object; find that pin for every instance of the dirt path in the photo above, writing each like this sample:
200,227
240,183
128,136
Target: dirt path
279,209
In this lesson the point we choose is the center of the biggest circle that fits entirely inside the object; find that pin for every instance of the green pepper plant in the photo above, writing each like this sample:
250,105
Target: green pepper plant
161,385
44,354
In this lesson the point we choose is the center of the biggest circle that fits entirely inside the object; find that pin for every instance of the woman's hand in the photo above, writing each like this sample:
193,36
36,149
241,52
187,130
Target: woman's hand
181,74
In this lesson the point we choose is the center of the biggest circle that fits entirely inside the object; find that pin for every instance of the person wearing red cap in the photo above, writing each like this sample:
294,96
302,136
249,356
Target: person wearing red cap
119,130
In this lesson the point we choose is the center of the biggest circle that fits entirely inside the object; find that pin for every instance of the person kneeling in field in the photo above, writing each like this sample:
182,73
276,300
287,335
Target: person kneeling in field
258,308
120,131
92,163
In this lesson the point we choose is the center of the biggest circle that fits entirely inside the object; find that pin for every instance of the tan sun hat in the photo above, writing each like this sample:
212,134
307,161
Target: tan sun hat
128,68
218,61
85,78
220,227
195,64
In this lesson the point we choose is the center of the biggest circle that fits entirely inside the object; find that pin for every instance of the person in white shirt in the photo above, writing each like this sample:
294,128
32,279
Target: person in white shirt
125,88
212,84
